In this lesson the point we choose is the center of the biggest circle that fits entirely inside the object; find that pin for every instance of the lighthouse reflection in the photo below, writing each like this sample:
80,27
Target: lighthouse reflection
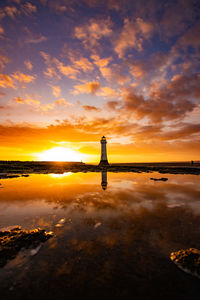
104,182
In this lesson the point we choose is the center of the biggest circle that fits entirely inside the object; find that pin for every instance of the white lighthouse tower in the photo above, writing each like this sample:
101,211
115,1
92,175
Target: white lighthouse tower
104,160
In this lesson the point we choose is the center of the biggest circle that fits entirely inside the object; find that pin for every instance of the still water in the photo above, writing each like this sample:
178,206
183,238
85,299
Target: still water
113,234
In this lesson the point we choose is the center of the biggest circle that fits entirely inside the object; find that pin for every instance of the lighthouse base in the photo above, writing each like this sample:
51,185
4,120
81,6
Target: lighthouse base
103,163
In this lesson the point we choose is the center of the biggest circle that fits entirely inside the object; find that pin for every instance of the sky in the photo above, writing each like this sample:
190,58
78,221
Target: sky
72,71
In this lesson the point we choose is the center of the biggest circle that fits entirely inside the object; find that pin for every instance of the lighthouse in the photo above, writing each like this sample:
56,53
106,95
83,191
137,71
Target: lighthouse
104,160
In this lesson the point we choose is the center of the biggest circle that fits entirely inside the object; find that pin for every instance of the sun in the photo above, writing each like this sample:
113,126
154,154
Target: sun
60,154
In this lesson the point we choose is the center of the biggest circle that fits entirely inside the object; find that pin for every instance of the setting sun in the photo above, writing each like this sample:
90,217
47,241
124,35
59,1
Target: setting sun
60,154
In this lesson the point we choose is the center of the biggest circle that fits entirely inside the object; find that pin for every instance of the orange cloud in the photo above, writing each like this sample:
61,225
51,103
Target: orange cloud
6,81
19,100
138,31
171,101
28,8
1,30
3,61
91,108
87,88
12,11
113,104
28,100
28,64
36,104
62,102
23,78
51,63
83,64
93,31
143,143
67,71
112,73
107,92
56,91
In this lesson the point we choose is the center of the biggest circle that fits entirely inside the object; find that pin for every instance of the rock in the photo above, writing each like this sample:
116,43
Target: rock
187,260
60,223
6,176
159,179
97,225
12,241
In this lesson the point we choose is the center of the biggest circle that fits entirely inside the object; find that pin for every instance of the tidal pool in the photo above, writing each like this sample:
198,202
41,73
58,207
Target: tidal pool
113,235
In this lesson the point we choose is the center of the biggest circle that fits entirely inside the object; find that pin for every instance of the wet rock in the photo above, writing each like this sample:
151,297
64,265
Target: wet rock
159,179
6,176
12,241
61,222
97,225
187,260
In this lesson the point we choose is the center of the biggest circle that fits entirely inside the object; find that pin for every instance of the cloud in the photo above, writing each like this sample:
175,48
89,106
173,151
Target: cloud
1,30
112,73
91,108
51,63
113,105
176,18
38,106
132,35
190,37
56,91
28,64
11,80
3,61
87,88
28,8
171,101
55,67
11,11
28,100
82,64
107,92
23,78
62,102
6,81
67,71
93,31
35,39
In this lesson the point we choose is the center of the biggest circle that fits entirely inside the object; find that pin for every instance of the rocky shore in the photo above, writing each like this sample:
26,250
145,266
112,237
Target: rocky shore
13,169
187,260
12,241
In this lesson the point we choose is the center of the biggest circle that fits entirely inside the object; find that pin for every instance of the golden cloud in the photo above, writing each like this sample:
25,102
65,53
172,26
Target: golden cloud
87,88
93,31
56,91
23,78
107,92
6,81
91,108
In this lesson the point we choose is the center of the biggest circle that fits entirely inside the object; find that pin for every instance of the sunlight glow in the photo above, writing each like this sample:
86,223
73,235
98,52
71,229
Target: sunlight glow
60,175
60,154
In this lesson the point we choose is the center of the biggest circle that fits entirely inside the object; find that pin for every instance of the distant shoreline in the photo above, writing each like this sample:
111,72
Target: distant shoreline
17,167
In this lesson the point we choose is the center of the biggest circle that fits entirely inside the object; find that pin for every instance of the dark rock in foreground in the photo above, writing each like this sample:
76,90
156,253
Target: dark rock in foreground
187,260
159,179
12,241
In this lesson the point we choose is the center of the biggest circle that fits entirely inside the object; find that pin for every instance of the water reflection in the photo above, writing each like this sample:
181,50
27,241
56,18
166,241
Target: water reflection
104,182
112,244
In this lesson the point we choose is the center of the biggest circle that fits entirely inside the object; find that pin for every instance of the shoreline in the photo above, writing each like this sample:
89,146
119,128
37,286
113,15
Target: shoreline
11,169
